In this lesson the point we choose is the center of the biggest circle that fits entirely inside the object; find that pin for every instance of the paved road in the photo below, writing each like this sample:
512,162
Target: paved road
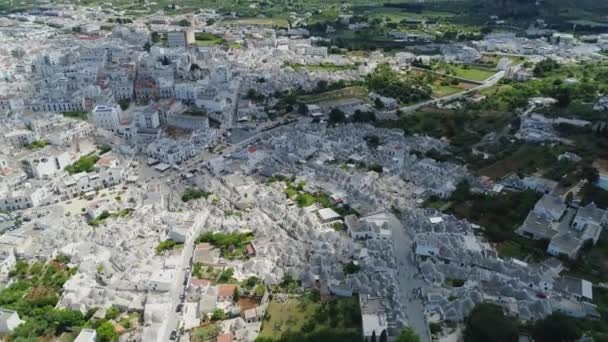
173,317
408,280
486,84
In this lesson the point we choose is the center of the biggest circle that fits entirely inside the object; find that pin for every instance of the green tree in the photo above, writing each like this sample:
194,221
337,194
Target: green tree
569,197
408,335
384,336
155,36
124,104
106,332
487,322
112,313
226,275
373,338
336,116
260,289
590,173
378,103
555,328
63,319
184,23
322,86
218,315
237,294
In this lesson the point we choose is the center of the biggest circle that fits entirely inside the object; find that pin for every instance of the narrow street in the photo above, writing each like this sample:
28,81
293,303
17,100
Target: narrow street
173,317
408,281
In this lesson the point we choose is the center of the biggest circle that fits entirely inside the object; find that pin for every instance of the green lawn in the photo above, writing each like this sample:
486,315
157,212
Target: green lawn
472,73
206,333
441,90
84,164
207,39
589,23
344,93
321,67
106,215
526,159
81,115
305,319
522,248
282,22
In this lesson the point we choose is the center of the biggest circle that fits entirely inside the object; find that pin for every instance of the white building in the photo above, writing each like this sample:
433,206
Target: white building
180,38
86,335
9,320
148,119
107,117
80,183
46,162
373,316
20,137
66,134
28,197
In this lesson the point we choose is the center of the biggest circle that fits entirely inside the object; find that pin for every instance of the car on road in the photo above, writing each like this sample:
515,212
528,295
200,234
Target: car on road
173,335
179,307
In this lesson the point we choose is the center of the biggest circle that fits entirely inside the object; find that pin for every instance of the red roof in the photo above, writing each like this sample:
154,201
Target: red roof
250,249
226,290
195,282
252,149
203,245
227,337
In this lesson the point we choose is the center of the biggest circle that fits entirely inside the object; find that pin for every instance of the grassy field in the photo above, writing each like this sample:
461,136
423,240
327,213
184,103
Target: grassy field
445,90
396,14
321,67
208,39
589,23
470,72
522,248
344,93
526,159
281,22
473,73
308,320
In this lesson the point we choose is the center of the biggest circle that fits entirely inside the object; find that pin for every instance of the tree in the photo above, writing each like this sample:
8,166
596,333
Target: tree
260,290
378,103
112,313
252,94
106,332
555,328
569,197
462,192
384,336
147,47
373,339
487,322
322,86
408,335
124,104
563,94
590,173
155,36
63,319
302,109
218,315
372,141
336,116
184,23
237,294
